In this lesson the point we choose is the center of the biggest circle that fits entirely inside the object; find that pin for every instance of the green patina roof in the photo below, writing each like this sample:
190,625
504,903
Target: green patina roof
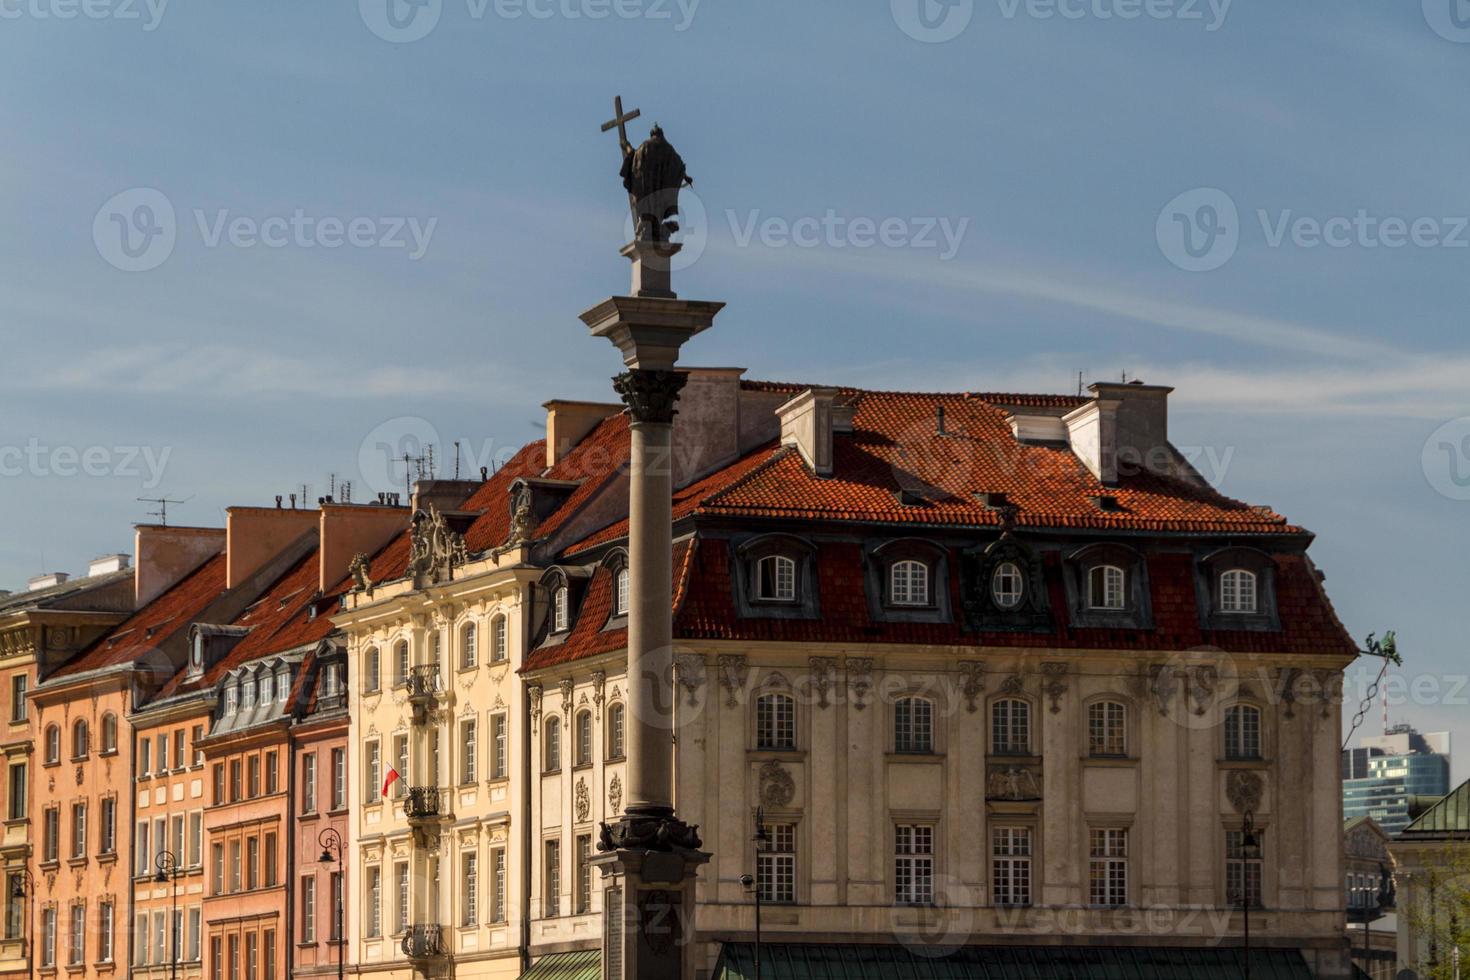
584,964
1450,815
791,961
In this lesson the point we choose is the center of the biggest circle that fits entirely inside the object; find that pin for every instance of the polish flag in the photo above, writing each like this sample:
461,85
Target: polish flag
388,782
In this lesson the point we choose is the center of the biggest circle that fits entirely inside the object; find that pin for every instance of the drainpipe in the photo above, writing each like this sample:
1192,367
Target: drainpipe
528,853
132,829
289,877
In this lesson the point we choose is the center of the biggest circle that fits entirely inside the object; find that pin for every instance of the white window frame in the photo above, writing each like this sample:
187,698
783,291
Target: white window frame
913,726
775,579
1107,729
1007,585
1107,588
776,863
1012,851
620,592
561,609
908,583
913,863
1010,717
1244,735
775,722
1239,592
1108,867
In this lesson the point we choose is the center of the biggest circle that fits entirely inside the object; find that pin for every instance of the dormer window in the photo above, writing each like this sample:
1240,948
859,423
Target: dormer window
1105,587
232,699
1238,591
620,593
247,701
1007,585
196,654
561,603
775,579
908,583
283,683
267,688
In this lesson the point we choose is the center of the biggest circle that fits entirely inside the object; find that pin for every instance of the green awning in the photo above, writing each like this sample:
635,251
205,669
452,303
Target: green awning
793,961
584,964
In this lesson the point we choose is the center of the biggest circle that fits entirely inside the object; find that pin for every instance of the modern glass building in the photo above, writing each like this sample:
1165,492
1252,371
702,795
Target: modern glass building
1382,776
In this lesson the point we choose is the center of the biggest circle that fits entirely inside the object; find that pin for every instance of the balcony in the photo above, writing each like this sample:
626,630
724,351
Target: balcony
424,942
424,690
426,804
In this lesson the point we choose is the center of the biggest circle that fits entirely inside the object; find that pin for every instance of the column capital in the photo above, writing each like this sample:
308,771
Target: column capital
651,396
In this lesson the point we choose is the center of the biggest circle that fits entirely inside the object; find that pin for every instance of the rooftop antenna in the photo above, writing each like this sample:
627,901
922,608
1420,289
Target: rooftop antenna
1079,384
305,488
331,486
429,459
347,491
456,459
162,512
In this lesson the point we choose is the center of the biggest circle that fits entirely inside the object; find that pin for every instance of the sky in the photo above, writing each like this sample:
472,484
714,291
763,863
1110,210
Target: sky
244,247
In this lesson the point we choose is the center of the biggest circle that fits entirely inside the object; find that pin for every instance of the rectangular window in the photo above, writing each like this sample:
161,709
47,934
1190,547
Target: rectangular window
777,865
470,888
160,841
252,957
372,671
252,863
216,959
217,860
160,943
179,757
105,921
913,725
176,836
267,688
497,864
1108,871
339,779
48,938
176,935
1011,866
51,835
18,786
913,864
373,767
338,910
107,827
400,663
468,739
196,838
79,830
400,762
18,684
1242,874
234,866
374,925
308,909
219,783
15,905
195,922
78,947
252,782
551,882
270,859
400,873
584,873
308,783
234,945
162,739
145,755
270,954
236,784
500,739
272,772
195,737
1106,731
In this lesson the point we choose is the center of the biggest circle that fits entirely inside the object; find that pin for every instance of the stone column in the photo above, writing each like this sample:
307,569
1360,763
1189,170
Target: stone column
649,857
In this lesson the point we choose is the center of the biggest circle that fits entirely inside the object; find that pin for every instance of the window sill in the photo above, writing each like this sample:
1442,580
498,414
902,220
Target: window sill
579,767
612,759
307,944
1255,763
1109,761
80,758
51,765
77,862
309,815
551,772
17,821
778,755
1018,759
52,865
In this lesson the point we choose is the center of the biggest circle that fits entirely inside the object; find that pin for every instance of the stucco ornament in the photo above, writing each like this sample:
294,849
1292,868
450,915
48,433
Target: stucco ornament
823,669
1244,789
568,695
1329,689
1013,685
777,788
734,670
689,669
534,690
361,582
1012,783
435,549
1204,680
599,694
859,679
615,794
584,801
1054,687
1164,684
972,683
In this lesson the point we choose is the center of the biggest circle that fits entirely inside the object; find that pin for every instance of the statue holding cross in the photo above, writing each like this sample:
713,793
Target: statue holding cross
653,174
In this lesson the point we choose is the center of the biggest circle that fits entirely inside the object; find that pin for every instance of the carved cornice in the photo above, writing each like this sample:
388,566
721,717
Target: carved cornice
972,683
823,670
859,679
599,694
689,670
734,671
651,396
1054,687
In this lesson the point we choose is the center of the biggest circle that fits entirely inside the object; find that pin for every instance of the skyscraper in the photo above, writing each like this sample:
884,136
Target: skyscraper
1381,777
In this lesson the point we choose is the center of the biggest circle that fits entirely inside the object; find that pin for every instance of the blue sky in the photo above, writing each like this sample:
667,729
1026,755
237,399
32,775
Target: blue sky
1066,147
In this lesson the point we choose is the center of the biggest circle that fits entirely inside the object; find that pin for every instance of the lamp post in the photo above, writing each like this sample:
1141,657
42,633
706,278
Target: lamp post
330,840
169,870
1250,854
25,887
1369,912
753,884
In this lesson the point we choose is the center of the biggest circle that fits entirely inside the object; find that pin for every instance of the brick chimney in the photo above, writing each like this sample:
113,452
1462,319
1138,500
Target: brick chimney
351,529
166,554
254,535
568,423
806,423
1125,430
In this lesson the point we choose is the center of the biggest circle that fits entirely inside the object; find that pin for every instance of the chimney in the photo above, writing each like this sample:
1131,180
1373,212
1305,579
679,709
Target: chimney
1092,432
806,423
253,535
106,565
1124,430
568,423
707,428
46,581
347,531
166,554
445,495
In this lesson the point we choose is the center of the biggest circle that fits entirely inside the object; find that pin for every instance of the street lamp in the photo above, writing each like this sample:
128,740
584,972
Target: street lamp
1369,912
753,884
330,840
169,870
1250,853
25,886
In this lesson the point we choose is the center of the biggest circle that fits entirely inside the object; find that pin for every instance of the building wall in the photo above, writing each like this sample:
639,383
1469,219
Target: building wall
170,797
17,743
321,743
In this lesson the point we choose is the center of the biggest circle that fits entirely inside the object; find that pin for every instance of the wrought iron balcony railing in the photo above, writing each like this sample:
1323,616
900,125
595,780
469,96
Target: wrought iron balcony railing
425,803
424,942
424,682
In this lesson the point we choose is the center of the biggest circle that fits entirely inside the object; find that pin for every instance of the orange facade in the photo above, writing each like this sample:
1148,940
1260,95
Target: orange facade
320,829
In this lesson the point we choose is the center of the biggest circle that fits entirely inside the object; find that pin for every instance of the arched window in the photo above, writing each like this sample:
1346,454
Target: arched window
553,743
615,748
584,738
908,583
1010,727
400,663
561,616
775,722
500,647
1107,728
53,744
109,732
913,725
372,671
1007,587
620,593
1237,591
436,647
469,646
1105,587
1243,732
775,579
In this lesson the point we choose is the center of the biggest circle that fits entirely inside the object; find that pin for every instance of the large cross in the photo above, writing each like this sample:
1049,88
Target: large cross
620,122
